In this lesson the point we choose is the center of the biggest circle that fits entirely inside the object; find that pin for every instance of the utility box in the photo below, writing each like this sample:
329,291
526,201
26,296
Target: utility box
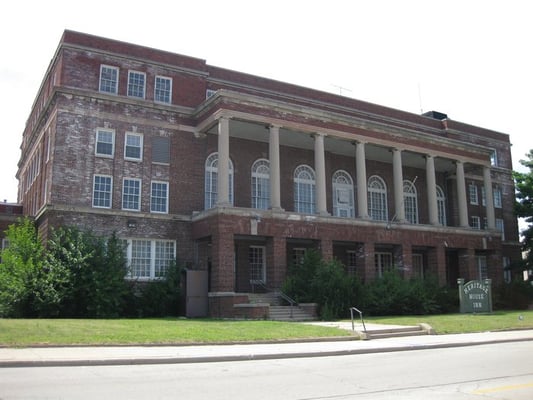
475,296
196,286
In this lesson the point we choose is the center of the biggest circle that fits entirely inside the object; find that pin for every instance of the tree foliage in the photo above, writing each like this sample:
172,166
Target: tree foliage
524,205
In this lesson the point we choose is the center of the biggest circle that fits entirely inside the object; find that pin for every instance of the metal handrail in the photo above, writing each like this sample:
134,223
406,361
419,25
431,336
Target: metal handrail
352,309
285,297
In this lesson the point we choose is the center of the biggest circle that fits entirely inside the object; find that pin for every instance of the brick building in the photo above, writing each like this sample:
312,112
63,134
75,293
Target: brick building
239,175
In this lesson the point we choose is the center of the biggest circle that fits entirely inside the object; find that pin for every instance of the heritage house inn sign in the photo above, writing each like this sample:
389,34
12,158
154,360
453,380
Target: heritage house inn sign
475,296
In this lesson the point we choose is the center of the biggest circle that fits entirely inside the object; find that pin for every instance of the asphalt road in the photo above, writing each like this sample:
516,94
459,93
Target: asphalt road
496,371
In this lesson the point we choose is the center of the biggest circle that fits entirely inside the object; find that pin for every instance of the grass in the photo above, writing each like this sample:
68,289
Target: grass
35,332
464,323
65,332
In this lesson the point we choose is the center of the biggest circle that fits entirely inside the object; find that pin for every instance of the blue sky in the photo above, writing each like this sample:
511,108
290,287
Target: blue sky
469,59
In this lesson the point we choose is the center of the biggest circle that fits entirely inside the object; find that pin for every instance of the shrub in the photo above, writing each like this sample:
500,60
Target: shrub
515,295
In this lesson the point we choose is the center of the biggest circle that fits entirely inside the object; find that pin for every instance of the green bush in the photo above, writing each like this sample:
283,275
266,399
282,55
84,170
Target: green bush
512,296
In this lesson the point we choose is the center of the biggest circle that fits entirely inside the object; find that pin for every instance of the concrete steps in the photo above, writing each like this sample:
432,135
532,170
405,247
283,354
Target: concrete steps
284,313
392,332
272,298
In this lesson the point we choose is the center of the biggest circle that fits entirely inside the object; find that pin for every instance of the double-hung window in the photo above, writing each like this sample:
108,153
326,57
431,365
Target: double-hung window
383,263
304,190
410,202
149,259
377,199
343,200
475,222
102,188
472,191
159,197
133,146
131,194
108,79
105,142
136,84
497,193
163,89
261,184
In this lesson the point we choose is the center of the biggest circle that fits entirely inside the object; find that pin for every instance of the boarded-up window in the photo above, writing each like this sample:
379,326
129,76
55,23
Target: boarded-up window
161,150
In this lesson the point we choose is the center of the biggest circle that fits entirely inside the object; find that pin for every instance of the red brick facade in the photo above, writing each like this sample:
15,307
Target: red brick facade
238,244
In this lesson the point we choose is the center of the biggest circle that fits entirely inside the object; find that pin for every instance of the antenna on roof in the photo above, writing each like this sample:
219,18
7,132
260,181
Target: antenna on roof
420,99
341,88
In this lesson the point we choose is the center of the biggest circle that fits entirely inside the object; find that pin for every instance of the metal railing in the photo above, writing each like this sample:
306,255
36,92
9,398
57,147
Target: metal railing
352,309
285,297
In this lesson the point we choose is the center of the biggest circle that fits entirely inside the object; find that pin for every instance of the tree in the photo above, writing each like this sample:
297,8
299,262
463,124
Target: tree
20,269
524,205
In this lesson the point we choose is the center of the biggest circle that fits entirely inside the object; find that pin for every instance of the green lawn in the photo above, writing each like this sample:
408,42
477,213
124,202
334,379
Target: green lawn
28,332
463,323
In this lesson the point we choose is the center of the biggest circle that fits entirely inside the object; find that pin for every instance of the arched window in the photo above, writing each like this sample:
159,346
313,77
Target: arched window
441,206
377,199
211,179
261,184
342,194
304,190
410,202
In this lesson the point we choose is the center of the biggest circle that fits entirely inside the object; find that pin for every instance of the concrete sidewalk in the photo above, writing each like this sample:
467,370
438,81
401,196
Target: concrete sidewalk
131,355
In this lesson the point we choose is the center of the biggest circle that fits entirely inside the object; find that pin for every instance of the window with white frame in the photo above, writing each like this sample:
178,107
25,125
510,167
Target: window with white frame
257,263
482,267
163,89
131,194
500,227
483,196
105,142
497,193
441,206
410,202
108,79
102,187
159,197
136,84
211,181
475,222
133,146
343,199
304,189
261,184
149,259
377,199
382,262
494,158
472,192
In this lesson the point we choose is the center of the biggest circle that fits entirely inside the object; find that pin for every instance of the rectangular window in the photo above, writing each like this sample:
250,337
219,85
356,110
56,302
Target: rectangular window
472,191
475,223
161,150
133,146
105,142
298,255
497,197
108,79
382,262
418,265
351,262
102,191
483,196
163,89
256,260
494,158
159,197
507,275
136,84
131,194
482,267
149,259
500,227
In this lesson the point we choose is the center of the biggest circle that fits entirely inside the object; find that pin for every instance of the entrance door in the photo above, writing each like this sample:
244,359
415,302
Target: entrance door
257,263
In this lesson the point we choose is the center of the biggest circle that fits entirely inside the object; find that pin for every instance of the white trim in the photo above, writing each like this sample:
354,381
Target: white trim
136,73
110,190
166,199
123,194
141,147
102,66
104,130
170,89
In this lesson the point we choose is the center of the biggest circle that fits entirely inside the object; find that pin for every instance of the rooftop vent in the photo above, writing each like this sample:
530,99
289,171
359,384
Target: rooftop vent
435,115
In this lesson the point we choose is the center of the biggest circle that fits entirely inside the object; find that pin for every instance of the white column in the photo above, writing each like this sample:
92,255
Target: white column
432,190
398,185
461,195
489,198
273,154
320,170
362,190
223,162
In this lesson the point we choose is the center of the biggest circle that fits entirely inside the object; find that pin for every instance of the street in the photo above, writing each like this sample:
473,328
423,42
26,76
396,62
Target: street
497,371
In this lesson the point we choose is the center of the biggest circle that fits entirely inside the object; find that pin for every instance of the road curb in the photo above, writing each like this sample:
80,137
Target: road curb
243,357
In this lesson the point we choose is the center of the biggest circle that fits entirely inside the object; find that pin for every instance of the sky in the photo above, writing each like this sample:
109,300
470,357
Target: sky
469,59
